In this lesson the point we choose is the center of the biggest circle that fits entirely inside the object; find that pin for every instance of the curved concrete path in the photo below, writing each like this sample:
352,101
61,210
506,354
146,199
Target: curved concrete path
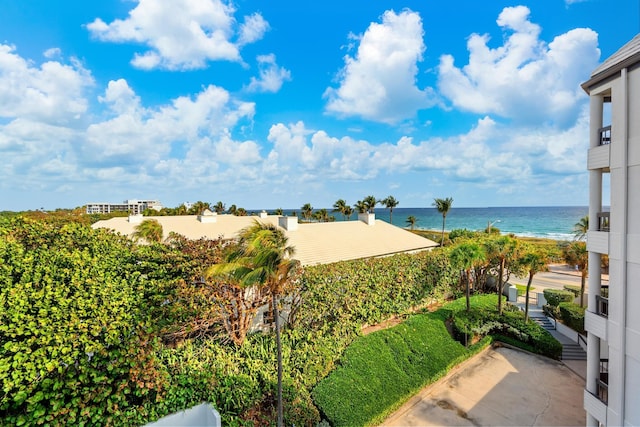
499,387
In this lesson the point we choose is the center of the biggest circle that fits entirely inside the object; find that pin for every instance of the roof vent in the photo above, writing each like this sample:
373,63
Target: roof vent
135,219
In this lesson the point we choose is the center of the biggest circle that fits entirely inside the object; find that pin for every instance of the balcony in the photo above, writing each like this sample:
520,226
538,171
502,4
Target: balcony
605,135
603,306
602,383
603,221
598,241
599,157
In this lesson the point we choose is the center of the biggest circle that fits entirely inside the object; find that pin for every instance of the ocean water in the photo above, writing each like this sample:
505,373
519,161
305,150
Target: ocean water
549,222
555,222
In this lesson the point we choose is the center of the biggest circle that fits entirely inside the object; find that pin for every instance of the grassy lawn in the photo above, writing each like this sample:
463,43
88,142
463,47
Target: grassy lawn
522,289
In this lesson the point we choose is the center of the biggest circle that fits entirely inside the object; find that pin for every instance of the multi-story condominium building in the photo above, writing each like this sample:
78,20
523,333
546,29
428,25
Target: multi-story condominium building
134,206
612,320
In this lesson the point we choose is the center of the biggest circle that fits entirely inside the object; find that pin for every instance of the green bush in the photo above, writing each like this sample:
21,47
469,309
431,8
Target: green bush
572,315
380,371
575,290
74,322
555,296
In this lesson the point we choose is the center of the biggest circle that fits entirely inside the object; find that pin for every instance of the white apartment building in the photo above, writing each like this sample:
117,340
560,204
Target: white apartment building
612,320
133,206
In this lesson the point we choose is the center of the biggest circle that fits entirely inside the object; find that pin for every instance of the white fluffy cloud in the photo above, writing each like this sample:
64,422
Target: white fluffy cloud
525,79
271,75
53,93
379,83
182,34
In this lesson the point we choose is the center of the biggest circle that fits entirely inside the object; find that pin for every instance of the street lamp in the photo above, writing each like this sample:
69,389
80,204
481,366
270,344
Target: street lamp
490,224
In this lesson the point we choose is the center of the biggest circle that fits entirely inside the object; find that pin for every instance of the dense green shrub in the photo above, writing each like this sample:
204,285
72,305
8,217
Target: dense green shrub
555,296
74,342
483,320
350,294
380,371
575,290
572,315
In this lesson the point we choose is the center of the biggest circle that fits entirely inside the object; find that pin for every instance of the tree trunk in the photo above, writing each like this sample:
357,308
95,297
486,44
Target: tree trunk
276,318
500,286
583,280
526,300
468,291
442,239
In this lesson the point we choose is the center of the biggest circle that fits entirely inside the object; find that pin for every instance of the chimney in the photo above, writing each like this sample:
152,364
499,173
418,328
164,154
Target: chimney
367,218
263,214
208,217
289,223
135,219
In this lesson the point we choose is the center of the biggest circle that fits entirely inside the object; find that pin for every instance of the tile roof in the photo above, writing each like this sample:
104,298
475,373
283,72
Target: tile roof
314,243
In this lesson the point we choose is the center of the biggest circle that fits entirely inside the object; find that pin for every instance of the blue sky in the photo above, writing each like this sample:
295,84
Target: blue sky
276,104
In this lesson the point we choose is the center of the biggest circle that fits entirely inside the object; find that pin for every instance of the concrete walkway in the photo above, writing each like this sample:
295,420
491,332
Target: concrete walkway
499,387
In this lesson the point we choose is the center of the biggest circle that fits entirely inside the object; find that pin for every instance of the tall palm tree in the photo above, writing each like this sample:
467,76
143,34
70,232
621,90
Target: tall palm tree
370,202
466,256
340,206
502,251
443,206
390,203
576,254
219,207
149,230
411,220
241,212
267,246
360,207
307,211
198,207
278,211
534,260
348,211
232,209
581,228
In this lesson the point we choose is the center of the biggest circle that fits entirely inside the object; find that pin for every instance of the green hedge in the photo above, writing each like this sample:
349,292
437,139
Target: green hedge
483,320
572,315
575,290
380,371
555,296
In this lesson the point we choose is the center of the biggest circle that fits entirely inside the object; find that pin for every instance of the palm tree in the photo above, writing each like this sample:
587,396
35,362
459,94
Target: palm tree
232,209
411,220
348,211
278,211
370,203
466,256
360,207
390,203
443,206
266,246
307,211
198,207
340,206
149,230
502,251
581,228
322,215
576,254
241,212
219,207
534,260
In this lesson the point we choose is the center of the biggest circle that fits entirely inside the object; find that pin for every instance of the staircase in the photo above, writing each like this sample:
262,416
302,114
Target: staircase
570,350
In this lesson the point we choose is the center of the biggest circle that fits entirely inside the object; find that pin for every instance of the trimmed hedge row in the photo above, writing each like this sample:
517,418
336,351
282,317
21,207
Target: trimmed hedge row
572,315
555,296
380,371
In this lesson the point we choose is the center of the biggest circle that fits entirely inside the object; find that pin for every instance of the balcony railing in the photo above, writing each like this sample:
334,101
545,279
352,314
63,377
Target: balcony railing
602,383
605,135
603,221
603,306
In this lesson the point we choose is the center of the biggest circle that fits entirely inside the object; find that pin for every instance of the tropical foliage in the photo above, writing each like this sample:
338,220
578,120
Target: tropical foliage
390,203
443,206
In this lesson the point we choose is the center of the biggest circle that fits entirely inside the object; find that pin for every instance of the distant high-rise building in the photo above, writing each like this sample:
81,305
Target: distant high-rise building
134,207
612,319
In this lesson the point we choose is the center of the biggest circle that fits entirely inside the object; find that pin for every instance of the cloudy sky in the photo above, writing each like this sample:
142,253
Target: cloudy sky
276,104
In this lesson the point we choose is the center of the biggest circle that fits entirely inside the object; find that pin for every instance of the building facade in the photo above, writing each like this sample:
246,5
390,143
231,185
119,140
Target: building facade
612,319
134,207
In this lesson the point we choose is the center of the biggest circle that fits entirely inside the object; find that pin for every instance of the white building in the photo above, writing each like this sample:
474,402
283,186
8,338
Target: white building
133,206
612,320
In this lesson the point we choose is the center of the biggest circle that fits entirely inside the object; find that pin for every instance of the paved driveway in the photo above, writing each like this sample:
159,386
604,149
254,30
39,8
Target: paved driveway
499,387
